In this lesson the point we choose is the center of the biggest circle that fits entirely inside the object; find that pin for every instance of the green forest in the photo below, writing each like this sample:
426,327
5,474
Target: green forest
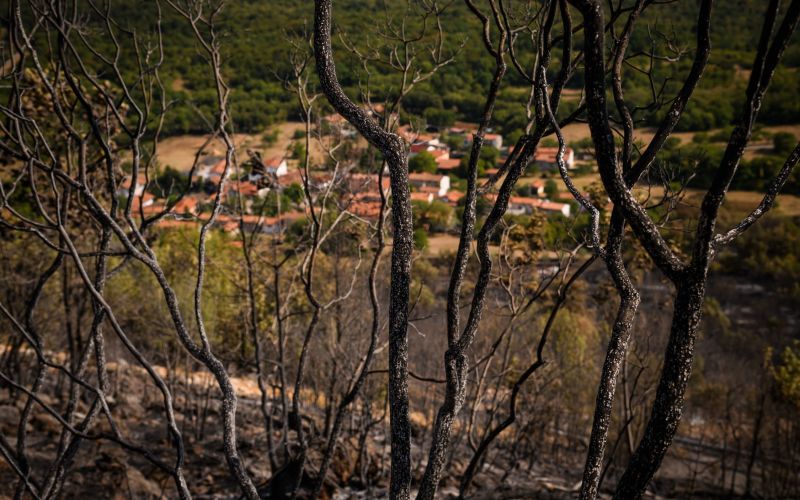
258,39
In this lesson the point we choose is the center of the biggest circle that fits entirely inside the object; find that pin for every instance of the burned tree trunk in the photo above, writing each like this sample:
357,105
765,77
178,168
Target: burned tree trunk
394,152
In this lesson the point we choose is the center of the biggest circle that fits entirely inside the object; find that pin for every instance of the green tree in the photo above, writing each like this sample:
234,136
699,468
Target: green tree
437,216
787,372
551,188
440,117
422,162
299,151
487,160
783,143
420,239
294,192
168,182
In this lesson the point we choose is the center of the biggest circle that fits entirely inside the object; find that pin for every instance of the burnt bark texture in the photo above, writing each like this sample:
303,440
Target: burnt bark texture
689,278
394,153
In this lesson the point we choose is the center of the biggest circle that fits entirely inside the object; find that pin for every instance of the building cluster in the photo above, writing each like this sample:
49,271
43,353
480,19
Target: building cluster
358,192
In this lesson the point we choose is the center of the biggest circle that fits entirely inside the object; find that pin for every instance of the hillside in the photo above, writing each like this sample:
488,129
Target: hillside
254,37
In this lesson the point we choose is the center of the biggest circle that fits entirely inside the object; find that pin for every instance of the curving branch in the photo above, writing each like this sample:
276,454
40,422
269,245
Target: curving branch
394,153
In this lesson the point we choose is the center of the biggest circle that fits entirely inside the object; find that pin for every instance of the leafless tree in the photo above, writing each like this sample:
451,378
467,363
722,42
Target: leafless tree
79,119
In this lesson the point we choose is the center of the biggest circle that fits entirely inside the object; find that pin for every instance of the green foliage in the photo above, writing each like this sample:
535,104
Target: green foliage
453,141
786,373
440,117
783,143
299,151
701,160
294,192
422,162
769,250
488,159
551,188
420,239
168,182
269,138
526,238
437,215
256,59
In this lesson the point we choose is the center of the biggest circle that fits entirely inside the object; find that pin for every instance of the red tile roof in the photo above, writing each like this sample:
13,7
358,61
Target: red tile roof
366,209
186,204
548,154
447,163
424,177
453,196
274,161
533,202
244,188
219,168
419,196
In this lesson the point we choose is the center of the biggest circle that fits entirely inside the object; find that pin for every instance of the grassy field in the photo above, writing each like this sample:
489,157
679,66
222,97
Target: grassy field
179,151
579,131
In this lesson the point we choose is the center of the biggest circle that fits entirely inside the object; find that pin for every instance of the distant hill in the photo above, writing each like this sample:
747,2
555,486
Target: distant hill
254,41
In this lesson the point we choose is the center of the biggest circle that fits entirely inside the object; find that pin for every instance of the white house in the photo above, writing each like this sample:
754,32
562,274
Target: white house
520,205
212,171
494,140
277,166
433,146
545,158
274,166
421,180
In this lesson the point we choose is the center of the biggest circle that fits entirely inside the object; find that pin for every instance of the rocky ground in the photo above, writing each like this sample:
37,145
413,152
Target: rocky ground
104,470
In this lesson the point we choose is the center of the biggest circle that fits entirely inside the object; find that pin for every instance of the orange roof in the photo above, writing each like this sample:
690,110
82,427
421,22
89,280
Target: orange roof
168,223
274,161
186,204
418,196
151,209
144,199
219,168
454,195
533,202
407,133
567,196
424,177
548,154
536,202
245,188
366,209
550,205
334,118
258,219
447,163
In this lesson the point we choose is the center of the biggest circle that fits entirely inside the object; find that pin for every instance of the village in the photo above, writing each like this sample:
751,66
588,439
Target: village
265,194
